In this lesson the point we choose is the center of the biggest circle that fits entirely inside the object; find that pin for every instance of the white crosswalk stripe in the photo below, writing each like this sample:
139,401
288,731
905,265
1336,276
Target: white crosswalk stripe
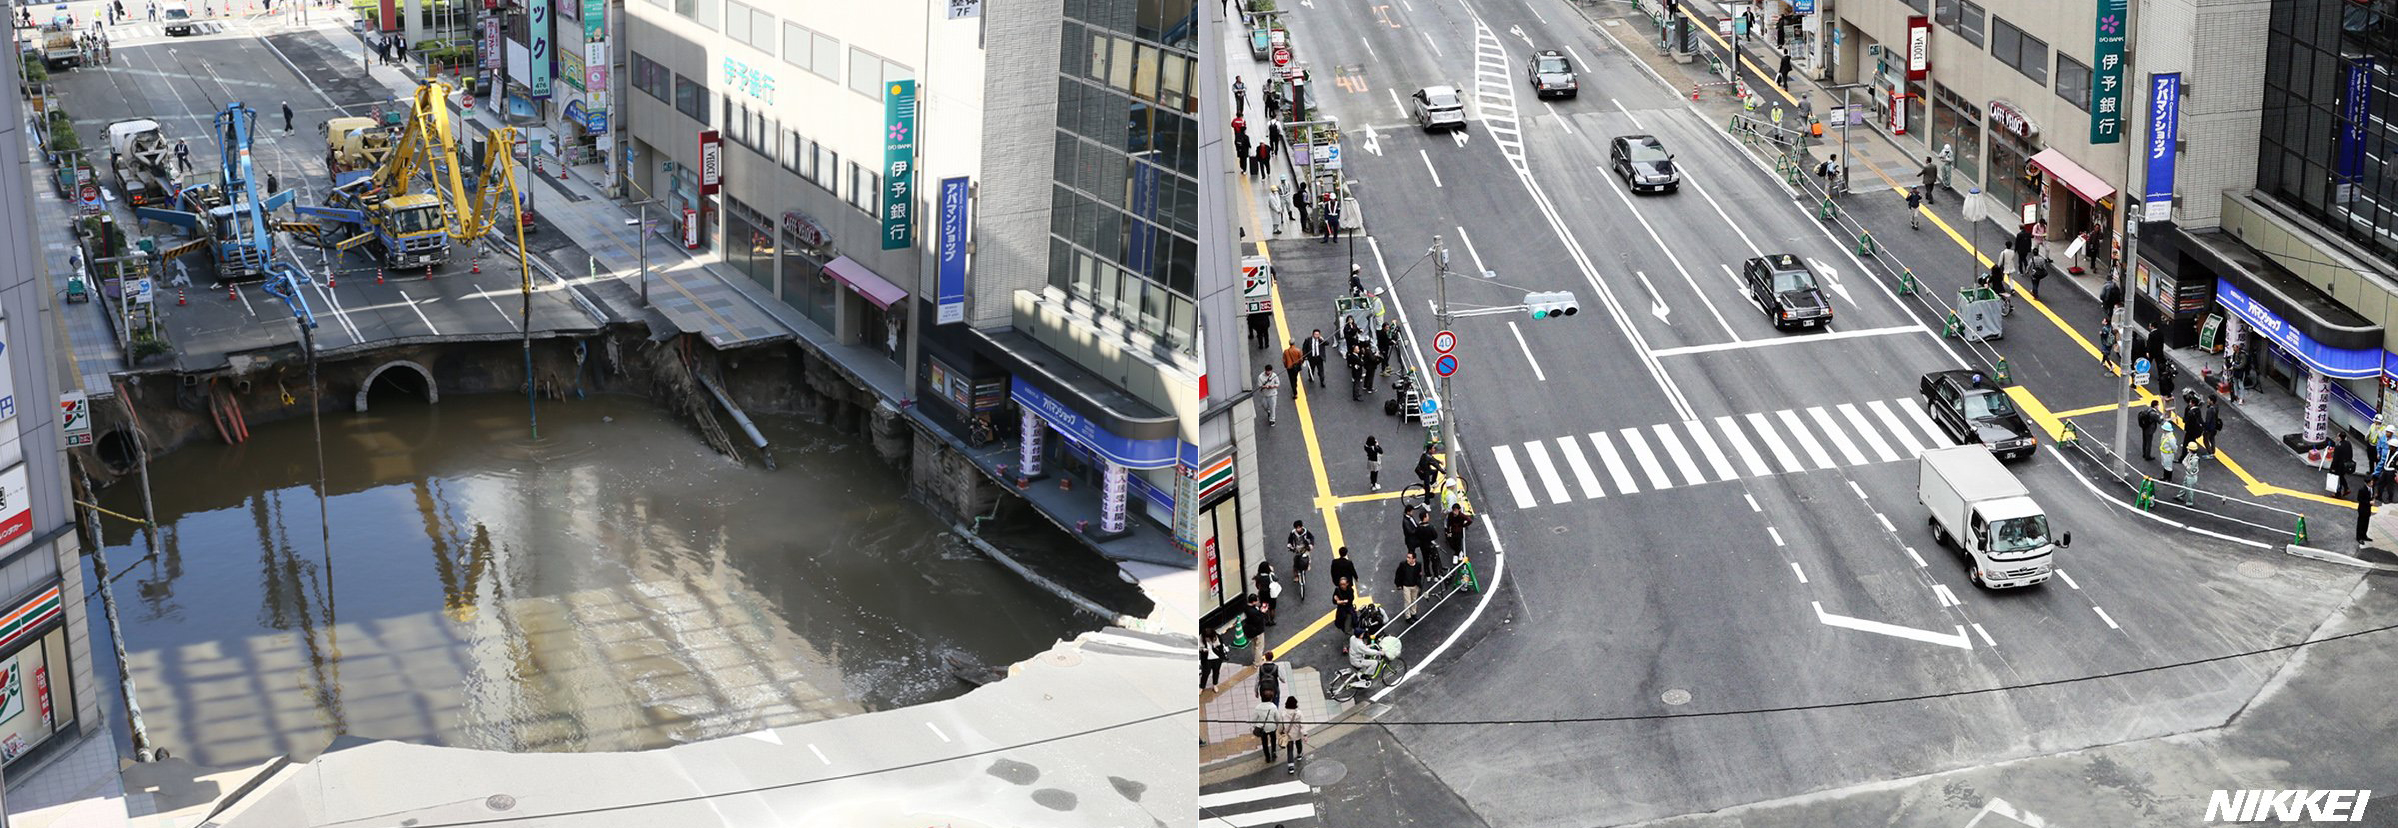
1723,448
1548,472
1284,803
1865,431
1681,456
1648,459
1614,463
1514,475
1572,449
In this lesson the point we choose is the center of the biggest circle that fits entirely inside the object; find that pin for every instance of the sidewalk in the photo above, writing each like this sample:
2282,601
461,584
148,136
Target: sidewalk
1226,710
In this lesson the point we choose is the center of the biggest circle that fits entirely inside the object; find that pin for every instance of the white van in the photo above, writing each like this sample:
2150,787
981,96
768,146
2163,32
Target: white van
178,16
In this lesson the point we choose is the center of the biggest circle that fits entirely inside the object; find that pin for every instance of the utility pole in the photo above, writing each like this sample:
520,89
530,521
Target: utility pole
1440,280
2123,281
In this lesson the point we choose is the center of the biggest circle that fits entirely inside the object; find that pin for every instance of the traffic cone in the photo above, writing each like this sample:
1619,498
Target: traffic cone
378,275
232,295
330,280
179,301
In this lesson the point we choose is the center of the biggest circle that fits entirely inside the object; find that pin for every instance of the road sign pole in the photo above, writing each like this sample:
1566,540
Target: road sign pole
1440,278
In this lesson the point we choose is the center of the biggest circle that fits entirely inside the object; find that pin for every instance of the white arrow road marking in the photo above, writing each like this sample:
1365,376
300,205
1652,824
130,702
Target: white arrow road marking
1656,301
2001,808
1373,142
1458,135
1428,167
1833,277
1957,640
1518,31
1947,598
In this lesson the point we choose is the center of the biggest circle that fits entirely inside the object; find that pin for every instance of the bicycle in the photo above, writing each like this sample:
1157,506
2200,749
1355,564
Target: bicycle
1299,574
1387,669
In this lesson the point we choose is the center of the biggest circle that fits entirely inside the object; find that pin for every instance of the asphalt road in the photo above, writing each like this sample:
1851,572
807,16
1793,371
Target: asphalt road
1704,516
183,83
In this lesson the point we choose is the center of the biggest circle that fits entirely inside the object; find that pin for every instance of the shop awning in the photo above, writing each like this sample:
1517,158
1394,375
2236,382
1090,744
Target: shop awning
2082,182
875,288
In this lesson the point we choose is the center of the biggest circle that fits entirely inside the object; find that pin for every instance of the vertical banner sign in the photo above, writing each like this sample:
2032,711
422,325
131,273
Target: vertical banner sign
1919,47
492,54
539,73
951,264
2106,85
899,163
16,508
2164,119
595,76
75,418
595,20
2356,91
711,162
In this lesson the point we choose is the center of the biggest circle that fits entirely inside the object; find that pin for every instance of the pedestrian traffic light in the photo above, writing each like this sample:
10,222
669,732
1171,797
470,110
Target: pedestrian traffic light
1551,304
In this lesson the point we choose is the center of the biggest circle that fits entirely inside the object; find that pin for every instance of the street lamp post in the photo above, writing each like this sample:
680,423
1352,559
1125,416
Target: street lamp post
641,229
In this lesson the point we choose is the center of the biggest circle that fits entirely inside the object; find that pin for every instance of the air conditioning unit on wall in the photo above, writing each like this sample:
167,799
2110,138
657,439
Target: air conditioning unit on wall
1873,50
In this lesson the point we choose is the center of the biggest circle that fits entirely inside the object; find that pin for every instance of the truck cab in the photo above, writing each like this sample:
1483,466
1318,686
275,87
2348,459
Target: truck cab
1978,506
178,16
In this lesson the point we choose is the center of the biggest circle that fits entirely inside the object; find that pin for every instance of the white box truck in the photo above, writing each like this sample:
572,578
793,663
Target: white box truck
1977,505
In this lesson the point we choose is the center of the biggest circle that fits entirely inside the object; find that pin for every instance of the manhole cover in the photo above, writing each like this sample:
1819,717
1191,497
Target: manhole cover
1559,530
500,802
1062,658
2257,569
1677,697
1322,773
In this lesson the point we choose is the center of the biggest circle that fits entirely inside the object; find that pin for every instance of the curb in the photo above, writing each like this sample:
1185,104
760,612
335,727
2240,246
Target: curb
2328,556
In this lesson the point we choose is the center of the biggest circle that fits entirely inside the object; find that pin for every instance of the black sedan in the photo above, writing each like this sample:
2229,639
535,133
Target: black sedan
1786,290
1971,409
1551,74
1643,163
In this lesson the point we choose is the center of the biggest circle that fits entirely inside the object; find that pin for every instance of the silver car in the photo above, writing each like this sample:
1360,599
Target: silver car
1551,74
1439,107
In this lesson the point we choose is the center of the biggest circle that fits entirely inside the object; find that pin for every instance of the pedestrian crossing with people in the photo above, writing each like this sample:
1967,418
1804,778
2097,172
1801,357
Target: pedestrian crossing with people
1661,456
132,31
1289,804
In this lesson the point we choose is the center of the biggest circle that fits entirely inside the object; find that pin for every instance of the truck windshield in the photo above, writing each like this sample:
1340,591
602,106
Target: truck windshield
178,14
2018,538
418,220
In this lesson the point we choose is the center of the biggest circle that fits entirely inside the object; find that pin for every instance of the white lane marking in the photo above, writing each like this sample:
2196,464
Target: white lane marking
1773,443
1957,640
1572,449
1617,188
1801,573
1881,411
1740,444
1777,536
1535,10
1370,50
1648,459
1548,472
1719,210
1395,104
1470,252
2068,579
1537,374
1885,519
1860,490
1785,341
1681,456
1578,61
1947,597
1628,113
1428,166
1563,122
1986,640
2103,616
1656,300
1873,438
1923,421
1840,440
1272,816
819,755
1917,558
420,313
1223,798
1435,44
1752,499
1514,475
1714,453
937,731
1806,439
1614,462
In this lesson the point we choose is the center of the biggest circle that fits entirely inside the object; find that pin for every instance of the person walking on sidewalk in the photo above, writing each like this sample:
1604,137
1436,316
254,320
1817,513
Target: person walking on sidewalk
1373,451
1292,360
1410,581
2109,298
1240,94
2214,418
1294,736
2343,464
1268,387
1274,133
1211,659
1264,158
1357,370
1344,605
2106,348
2150,418
1915,209
2037,267
1315,355
1253,625
1266,721
2364,514
1343,569
1930,176
1269,587
1240,151
2165,370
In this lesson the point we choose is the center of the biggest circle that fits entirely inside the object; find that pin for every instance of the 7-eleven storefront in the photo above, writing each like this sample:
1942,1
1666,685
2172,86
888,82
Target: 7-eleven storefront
37,698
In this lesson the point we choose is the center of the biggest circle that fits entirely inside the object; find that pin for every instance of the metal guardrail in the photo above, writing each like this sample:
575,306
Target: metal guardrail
2159,494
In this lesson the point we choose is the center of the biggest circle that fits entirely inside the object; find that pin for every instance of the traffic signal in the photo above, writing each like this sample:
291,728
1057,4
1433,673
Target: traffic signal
1551,304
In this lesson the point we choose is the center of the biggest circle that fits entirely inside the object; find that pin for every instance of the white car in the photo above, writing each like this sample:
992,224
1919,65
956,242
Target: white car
1439,107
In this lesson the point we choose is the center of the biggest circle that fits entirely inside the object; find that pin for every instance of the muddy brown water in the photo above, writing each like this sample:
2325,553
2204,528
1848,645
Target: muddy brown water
611,586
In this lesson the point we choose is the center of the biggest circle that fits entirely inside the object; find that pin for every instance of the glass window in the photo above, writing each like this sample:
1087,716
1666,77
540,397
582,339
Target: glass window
706,12
1970,21
1119,64
2033,60
1099,52
1144,74
2005,40
865,73
1944,12
2073,81
1174,81
691,98
736,19
797,40
827,57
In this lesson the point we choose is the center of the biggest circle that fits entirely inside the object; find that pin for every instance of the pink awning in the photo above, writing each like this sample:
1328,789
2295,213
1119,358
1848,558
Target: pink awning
875,288
2082,182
